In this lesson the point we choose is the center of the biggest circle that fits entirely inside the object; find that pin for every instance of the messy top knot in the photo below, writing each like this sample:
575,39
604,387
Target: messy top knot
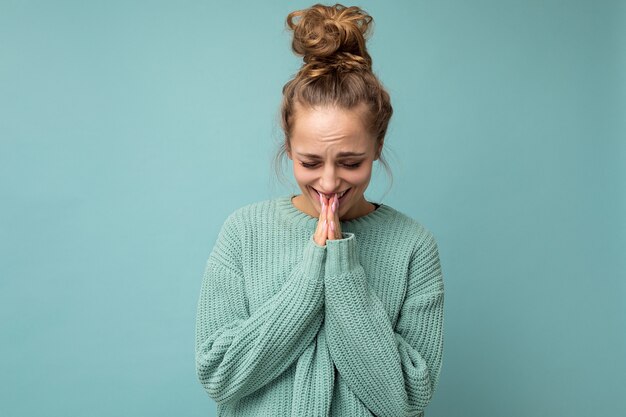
331,38
337,70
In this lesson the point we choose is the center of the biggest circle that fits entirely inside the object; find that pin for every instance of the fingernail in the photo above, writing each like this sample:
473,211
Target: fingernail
334,206
332,225
323,206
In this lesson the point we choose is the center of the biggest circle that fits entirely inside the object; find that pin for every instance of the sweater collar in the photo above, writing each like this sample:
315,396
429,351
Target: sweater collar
301,219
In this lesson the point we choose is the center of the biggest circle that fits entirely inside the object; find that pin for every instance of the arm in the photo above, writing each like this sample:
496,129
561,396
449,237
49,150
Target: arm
392,371
238,353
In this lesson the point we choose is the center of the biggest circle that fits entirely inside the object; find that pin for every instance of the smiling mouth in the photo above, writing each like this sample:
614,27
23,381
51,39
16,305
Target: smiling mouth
345,193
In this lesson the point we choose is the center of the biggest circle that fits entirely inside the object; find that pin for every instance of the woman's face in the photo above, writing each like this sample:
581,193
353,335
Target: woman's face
332,152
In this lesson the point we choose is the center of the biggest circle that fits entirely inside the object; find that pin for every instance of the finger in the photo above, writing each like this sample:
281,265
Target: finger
333,220
321,233
336,219
331,225
335,204
333,217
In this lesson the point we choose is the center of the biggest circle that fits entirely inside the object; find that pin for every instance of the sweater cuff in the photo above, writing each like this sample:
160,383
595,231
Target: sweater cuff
313,256
342,255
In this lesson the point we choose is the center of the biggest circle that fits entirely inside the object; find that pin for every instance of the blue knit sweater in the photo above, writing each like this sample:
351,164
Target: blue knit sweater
286,327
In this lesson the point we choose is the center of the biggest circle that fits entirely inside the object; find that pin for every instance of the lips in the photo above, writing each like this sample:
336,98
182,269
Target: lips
345,193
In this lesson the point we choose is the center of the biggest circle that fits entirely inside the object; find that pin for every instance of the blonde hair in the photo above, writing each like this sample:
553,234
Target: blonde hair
337,69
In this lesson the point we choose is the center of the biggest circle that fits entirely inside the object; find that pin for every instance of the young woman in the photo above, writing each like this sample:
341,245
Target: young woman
324,303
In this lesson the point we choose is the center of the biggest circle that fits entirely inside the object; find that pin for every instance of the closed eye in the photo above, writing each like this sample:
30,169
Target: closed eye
349,166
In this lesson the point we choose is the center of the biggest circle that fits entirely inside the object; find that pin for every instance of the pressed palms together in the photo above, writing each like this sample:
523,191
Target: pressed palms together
328,226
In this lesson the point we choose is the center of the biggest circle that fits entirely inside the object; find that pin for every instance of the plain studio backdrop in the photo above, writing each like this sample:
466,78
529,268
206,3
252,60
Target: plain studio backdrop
129,130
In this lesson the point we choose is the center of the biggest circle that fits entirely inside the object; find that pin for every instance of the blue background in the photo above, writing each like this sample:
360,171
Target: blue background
130,130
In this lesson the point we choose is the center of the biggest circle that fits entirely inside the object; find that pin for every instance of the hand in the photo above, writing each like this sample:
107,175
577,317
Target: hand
328,225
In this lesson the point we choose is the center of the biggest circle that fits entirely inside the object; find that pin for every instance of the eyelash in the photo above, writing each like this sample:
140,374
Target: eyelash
349,166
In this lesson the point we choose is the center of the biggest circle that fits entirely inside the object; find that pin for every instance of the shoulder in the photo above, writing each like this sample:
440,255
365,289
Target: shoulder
239,226
411,230
424,263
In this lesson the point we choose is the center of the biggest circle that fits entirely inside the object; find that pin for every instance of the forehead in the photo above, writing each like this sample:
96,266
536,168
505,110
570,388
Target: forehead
330,129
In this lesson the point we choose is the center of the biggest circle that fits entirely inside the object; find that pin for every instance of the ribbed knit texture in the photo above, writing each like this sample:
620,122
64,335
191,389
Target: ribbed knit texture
286,327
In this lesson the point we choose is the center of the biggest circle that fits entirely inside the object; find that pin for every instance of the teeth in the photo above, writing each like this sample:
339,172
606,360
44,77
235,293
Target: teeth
329,196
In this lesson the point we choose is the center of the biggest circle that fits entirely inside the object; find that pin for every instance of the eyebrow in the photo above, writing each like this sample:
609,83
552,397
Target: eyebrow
339,155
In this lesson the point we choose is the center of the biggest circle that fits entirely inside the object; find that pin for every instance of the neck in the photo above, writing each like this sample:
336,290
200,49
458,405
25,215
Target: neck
360,209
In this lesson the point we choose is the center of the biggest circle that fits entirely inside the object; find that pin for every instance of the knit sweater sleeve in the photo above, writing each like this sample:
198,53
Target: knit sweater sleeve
393,371
237,352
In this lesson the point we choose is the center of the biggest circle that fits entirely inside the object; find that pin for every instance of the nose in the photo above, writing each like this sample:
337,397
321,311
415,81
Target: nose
329,182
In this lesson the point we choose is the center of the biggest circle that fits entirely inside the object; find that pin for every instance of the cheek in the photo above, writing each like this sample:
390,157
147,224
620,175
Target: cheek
302,174
360,177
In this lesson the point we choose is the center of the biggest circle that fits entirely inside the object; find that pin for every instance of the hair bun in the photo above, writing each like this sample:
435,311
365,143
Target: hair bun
331,37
